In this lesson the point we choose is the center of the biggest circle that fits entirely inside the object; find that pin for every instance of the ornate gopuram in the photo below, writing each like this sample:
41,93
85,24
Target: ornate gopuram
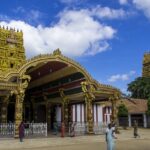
146,65
50,88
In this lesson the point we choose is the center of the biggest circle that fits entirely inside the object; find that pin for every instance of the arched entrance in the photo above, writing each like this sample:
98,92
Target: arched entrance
55,82
53,88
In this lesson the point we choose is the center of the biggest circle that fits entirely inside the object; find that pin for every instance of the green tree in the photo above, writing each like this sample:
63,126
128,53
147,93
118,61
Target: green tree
122,111
140,88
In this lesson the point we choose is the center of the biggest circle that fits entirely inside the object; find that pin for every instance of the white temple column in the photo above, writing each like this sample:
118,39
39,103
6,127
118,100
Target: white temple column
129,119
145,120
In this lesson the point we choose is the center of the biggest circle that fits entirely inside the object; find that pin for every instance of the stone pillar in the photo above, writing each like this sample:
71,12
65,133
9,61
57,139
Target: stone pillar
48,111
70,113
18,110
4,109
114,110
114,100
89,97
65,102
89,115
114,118
129,119
145,120
19,93
48,116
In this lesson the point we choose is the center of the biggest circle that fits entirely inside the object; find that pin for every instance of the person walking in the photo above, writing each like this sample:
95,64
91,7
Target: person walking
21,131
110,135
135,129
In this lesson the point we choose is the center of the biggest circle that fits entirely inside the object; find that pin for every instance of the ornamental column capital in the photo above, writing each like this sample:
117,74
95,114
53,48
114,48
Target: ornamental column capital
65,99
88,90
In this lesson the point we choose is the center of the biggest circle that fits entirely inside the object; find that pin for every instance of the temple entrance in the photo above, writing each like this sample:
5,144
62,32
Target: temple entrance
45,83
27,114
11,113
53,117
41,113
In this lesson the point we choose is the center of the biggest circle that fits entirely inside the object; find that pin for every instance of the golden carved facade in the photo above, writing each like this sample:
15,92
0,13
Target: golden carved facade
12,54
13,65
146,65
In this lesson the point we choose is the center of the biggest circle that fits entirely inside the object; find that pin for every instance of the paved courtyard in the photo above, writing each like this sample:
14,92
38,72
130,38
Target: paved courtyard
125,141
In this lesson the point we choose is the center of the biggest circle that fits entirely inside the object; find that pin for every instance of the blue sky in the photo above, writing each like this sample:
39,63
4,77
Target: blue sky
107,37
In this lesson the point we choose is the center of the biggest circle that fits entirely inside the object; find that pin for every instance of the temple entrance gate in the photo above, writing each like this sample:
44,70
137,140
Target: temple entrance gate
45,88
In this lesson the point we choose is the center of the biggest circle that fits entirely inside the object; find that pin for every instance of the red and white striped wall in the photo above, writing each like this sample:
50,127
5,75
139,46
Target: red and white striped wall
107,112
100,113
97,113
78,113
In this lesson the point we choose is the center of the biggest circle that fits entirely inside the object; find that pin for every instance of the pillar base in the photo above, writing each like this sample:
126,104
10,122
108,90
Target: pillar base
90,133
16,136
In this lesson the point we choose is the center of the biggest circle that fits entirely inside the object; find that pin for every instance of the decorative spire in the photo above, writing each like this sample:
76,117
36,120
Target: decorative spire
57,52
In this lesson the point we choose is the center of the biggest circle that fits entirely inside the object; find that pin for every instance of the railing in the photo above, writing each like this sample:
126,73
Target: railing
99,128
7,129
79,128
35,129
40,129
31,129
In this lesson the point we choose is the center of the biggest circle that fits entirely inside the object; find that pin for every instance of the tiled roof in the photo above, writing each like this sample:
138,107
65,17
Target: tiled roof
135,105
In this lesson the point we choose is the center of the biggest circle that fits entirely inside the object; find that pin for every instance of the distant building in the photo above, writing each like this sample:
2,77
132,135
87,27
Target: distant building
136,111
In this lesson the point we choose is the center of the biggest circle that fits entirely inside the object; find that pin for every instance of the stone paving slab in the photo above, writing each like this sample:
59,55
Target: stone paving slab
58,141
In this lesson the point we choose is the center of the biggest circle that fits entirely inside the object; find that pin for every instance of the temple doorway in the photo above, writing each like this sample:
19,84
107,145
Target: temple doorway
11,112
41,113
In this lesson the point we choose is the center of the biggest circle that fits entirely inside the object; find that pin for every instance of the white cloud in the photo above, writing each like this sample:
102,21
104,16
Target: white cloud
34,16
19,9
143,5
4,17
109,13
76,34
122,77
31,16
123,2
71,1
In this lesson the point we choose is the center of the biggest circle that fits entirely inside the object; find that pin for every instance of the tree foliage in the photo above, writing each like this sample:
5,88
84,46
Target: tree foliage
140,88
122,111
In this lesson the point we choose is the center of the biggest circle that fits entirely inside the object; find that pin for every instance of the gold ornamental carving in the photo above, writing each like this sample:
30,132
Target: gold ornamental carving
65,102
4,109
19,93
88,90
114,99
